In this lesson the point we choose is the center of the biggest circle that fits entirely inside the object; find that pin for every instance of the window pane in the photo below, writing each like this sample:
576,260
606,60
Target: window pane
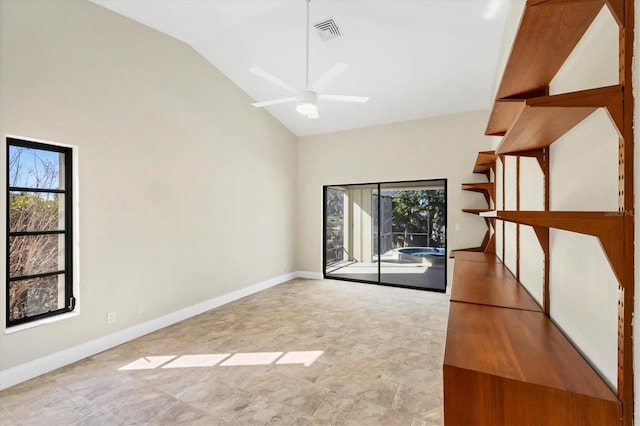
35,168
350,226
36,211
335,226
35,254
36,296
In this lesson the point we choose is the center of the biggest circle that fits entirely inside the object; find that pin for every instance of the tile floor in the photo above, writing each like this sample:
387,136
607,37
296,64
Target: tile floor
373,354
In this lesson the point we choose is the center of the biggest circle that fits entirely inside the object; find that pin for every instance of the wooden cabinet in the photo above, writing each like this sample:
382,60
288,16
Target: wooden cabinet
505,360
514,367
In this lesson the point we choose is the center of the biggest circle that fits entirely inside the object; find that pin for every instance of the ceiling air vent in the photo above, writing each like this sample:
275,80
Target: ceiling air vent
328,29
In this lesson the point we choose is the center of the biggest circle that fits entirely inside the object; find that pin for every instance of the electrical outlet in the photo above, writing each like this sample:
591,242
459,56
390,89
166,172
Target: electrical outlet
111,317
140,308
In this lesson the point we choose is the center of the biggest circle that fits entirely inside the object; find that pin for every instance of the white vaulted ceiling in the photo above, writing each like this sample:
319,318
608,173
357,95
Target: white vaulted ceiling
413,58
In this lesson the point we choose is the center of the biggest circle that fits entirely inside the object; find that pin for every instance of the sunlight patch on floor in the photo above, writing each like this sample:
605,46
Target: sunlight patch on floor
207,360
252,358
147,363
305,358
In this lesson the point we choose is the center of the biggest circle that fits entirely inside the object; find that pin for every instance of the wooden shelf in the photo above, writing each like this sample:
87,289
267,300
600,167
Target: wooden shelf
591,223
482,279
516,367
485,161
470,256
455,253
549,31
538,122
487,189
478,187
482,269
477,211
488,245
504,113
606,226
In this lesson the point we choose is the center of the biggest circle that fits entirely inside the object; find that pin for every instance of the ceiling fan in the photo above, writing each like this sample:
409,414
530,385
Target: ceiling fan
307,98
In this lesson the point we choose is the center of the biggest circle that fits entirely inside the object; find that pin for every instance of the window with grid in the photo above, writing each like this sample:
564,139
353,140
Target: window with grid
39,231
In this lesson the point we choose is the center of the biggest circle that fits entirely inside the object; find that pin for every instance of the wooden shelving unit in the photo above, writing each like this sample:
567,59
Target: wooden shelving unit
493,344
485,164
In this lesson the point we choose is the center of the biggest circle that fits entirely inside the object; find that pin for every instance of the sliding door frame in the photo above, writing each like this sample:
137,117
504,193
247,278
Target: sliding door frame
379,186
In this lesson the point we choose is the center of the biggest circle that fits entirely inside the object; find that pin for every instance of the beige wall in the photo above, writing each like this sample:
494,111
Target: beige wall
432,148
178,173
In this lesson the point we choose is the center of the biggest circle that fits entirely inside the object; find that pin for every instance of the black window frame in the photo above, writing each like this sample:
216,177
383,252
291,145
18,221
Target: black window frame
67,191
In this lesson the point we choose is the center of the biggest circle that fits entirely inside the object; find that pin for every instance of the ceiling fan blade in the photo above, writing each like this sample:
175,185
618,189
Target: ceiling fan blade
273,79
328,76
344,98
273,102
313,115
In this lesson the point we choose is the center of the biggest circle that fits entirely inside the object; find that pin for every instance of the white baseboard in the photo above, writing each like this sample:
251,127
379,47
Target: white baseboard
310,275
31,369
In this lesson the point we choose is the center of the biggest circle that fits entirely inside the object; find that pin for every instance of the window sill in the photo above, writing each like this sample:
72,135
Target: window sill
38,323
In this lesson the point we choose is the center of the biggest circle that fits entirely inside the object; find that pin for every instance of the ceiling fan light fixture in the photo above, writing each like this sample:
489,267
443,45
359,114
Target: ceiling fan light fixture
307,103
307,107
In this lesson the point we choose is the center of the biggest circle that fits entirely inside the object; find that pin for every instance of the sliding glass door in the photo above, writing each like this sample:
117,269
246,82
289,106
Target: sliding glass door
416,252
387,233
350,249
